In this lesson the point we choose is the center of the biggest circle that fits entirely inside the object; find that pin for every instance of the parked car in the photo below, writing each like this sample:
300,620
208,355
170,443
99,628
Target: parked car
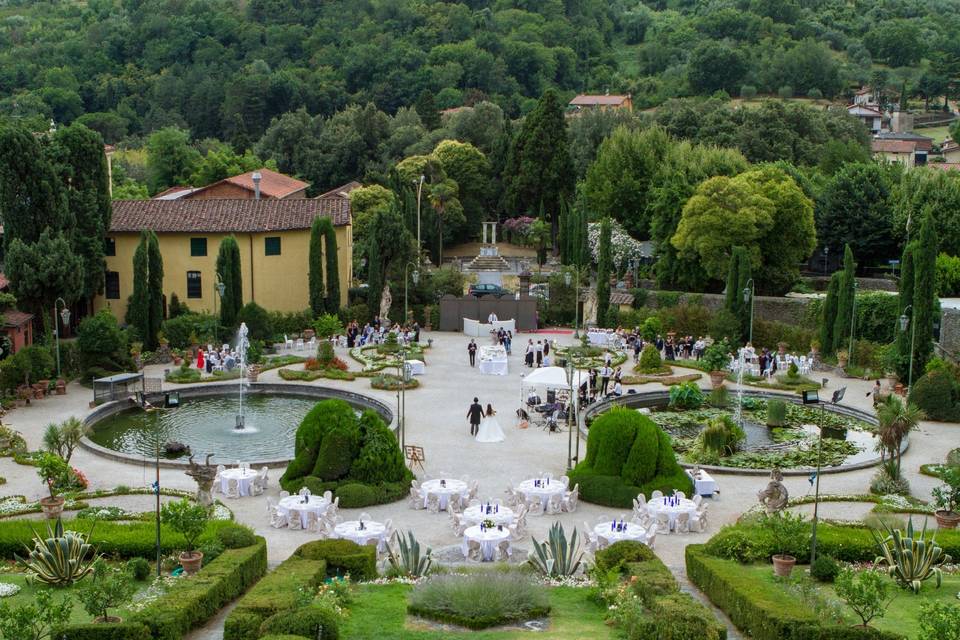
540,290
483,289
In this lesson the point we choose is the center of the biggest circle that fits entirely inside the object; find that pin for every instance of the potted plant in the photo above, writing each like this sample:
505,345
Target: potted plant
194,344
189,520
51,468
842,358
715,360
787,532
946,498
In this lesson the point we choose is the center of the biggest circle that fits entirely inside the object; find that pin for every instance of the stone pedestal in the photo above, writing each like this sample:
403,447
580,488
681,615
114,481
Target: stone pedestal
203,475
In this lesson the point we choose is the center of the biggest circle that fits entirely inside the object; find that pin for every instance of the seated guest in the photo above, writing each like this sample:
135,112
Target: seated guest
617,390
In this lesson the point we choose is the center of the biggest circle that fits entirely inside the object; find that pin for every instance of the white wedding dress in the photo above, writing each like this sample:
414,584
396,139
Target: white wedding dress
490,430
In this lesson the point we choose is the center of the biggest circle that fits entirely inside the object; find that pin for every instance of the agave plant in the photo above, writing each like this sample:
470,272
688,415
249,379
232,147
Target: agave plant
556,557
407,560
60,559
910,560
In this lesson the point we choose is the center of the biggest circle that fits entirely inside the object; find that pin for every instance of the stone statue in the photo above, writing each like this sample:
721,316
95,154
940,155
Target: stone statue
774,498
203,475
385,300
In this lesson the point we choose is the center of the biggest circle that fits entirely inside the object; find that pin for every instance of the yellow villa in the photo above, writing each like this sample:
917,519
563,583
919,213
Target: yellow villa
274,239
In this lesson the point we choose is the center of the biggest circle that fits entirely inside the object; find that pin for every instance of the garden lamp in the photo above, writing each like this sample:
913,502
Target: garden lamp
904,322
415,276
221,288
65,316
567,278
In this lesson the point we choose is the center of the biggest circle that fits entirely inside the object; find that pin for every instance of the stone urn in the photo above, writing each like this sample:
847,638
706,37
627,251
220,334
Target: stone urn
717,378
309,334
253,372
191,562
52,507
947,519
783,565
203,474
61,387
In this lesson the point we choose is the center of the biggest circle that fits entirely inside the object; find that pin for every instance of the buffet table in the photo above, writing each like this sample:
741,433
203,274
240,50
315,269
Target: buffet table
493,361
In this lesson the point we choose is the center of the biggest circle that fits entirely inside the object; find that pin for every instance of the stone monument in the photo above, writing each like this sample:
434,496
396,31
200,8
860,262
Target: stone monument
203,475
774,498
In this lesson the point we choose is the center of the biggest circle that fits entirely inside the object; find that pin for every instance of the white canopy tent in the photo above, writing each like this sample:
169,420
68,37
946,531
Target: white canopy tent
551,378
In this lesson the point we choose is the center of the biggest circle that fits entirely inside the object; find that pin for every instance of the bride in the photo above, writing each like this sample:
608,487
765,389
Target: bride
490,430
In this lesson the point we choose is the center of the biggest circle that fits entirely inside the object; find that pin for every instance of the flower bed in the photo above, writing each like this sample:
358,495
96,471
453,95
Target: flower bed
589,357
373,359
390,382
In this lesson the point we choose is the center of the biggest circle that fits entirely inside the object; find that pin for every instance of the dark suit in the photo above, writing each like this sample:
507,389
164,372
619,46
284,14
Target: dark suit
475,413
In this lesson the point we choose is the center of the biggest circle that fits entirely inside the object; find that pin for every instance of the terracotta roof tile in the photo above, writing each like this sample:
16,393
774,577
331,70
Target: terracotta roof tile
4,283
621,297
584,100
945,166
893,146
226,216
342,190
272,184
16,318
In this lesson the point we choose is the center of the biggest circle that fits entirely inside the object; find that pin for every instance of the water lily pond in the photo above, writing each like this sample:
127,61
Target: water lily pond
793,445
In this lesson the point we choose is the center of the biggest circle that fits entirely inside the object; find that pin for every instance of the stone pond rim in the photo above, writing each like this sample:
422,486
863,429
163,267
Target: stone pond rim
226,389
661,398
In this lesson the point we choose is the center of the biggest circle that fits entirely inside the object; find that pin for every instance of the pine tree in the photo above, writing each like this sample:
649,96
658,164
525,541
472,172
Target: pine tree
924,274
907,271
426,108
842,324
228,271
828,317
333,268
315,265
604,267
154,290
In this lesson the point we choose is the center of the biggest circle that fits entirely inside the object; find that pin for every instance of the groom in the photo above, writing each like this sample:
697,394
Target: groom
475,414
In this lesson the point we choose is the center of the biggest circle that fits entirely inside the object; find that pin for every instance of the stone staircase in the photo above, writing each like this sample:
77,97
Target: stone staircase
487,263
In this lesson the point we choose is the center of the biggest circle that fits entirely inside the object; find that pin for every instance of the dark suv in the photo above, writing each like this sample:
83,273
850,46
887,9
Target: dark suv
482,289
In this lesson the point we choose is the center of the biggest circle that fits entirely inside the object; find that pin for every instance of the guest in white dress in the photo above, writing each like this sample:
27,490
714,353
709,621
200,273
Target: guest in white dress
490,430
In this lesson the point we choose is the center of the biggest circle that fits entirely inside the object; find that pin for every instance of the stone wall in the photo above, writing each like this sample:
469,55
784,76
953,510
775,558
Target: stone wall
950,333
788,310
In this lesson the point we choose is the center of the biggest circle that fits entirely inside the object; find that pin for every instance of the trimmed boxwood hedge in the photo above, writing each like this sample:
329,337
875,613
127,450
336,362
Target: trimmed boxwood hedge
315,622
938,394
766,614
342,557
119,539
627,454
620,554
188,603
281,636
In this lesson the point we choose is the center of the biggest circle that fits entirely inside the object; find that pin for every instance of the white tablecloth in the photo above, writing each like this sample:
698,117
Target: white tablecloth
528,490
452,486
633,532
475,328
474,515
245,477
488,539
656,506
417,367
316,504
494,367
599,338
704,485
350,530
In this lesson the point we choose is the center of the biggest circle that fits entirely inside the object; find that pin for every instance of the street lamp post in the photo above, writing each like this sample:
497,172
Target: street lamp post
826,253
416,280
65,316
569,371
749,292
809,398
904,322
402,397
220,288
419,184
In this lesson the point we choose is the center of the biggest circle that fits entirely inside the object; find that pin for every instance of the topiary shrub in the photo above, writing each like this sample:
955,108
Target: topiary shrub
258,321
236,536
650,361
342,557
314,621
325,353
139,568
937,393
379,459
356,494
619,554
627,453
825,568
337,451
776,413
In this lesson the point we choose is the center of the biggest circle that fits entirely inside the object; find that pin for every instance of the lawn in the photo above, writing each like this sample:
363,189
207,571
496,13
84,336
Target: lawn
28,592
904,612
380,611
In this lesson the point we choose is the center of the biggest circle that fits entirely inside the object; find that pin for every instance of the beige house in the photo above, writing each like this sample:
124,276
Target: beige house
898,151
602,102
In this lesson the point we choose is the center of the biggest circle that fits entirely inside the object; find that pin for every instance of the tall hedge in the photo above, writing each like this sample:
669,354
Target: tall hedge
627,453
906,300
315,266
738,276
333,268
228,271
845,293
924,291
829,315
604,268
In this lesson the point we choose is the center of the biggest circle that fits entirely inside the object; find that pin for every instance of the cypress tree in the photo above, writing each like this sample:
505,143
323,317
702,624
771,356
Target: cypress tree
582,247
906,300
828,316
924,281
733,300
31,199
604,267
138,306
842,323
745,273
315,265
333,268
154,291
374,277
228,270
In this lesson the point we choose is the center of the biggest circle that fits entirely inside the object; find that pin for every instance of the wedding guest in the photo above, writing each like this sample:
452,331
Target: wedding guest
528,358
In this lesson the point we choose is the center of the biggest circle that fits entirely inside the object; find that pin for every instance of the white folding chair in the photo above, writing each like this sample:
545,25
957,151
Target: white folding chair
656,494
555,504
503,551
433,503
571,499
233,488
474,552
278,520
535,506
294,521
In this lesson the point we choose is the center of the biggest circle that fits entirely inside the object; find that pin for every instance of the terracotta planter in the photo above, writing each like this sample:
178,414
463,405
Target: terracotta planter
52,507
717,378
947,519
191,562
783,565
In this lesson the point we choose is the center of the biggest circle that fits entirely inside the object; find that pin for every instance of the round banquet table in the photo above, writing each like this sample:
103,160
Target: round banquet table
528,490
350,530
316,504
656,506
451,486
474,515
598,338
489,540
244,476
633,532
